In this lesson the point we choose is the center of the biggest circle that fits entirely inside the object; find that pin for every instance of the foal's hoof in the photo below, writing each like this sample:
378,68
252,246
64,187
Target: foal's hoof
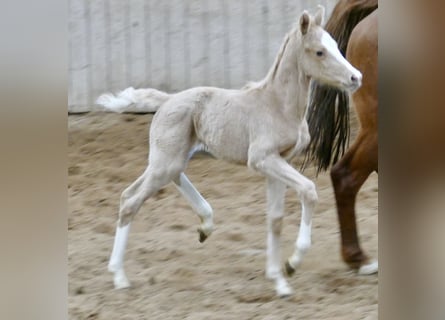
205,230
121,284
120,280
202,235
285,295
289,269
369,268
283,290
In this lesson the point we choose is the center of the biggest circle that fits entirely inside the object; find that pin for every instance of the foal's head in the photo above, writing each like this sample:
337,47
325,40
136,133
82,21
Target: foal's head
320,57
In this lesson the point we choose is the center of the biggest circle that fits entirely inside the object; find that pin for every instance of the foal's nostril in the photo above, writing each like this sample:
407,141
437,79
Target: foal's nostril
354,79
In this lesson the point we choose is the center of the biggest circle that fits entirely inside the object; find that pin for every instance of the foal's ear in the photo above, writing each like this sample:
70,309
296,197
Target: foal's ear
319,15
304,22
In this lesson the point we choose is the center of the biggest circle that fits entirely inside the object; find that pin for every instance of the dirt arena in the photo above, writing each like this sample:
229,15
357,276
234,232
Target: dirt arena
173,276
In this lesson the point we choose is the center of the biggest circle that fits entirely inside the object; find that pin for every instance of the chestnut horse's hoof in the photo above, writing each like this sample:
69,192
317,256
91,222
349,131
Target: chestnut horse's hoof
369,268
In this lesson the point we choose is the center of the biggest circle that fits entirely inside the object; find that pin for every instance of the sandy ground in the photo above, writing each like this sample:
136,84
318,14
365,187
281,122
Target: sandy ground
174,276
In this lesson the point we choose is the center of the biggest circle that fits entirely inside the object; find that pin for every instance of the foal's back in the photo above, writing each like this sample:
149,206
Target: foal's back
225,121
216,118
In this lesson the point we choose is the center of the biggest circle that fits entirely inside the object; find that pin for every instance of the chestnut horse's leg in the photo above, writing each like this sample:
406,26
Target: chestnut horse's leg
348,175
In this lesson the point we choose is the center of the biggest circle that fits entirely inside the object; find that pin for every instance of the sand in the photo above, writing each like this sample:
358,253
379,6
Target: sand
173,276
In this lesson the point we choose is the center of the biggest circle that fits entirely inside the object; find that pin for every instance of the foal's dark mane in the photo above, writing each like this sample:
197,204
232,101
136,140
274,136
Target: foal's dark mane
328,108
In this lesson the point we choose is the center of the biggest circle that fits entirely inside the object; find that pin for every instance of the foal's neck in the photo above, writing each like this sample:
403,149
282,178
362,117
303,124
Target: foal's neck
287,79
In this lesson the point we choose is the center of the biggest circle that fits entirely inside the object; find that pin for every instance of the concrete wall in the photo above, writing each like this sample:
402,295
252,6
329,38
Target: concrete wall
173,44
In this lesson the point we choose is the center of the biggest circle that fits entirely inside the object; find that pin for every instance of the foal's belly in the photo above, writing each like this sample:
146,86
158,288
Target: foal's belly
224,135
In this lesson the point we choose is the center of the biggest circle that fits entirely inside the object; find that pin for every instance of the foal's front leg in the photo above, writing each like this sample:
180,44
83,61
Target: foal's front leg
273,166
275,206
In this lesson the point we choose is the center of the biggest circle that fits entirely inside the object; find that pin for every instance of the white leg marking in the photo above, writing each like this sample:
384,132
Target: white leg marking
117,257
370,268
282,287
273,265
275,206
303,242
197,202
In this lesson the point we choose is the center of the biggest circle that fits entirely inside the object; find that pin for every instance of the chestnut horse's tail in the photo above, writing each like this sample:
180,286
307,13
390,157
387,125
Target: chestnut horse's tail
328,109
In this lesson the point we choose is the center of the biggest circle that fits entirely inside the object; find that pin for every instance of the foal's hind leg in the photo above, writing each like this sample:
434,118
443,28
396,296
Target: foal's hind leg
348,175
120,240
199,204
152,180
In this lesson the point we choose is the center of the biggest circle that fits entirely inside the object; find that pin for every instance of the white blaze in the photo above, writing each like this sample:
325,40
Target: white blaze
332,48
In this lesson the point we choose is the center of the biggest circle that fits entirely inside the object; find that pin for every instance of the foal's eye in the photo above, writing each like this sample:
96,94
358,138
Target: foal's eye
320,53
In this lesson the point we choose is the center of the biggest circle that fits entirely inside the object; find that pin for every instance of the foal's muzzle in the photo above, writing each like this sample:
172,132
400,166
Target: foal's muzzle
355,81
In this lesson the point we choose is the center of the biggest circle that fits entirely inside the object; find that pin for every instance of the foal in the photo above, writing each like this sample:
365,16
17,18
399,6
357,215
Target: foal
262,126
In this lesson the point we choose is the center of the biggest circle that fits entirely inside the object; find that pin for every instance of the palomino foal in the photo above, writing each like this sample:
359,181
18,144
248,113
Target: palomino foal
262,126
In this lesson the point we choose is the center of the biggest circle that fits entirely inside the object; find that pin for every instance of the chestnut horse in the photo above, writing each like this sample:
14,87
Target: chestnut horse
353,24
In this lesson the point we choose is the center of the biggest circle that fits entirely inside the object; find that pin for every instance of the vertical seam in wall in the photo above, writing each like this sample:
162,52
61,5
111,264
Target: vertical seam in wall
88,54
127,44
108,62
187,61
167,45
70,58
284,23
265,33
246,56
147,43
226,45
206,33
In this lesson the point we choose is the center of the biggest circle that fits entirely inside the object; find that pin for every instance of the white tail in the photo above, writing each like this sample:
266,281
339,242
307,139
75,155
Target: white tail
133,100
